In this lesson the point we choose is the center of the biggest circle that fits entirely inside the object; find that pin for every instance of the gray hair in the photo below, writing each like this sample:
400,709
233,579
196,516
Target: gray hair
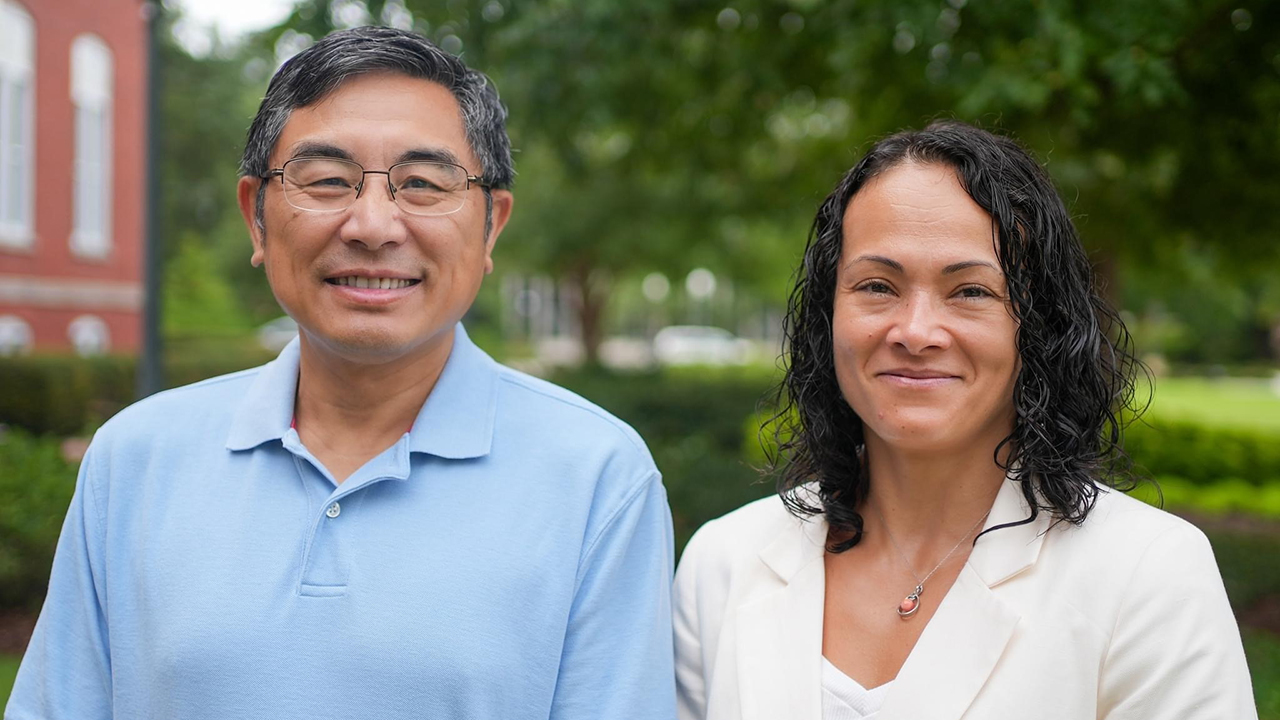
312,74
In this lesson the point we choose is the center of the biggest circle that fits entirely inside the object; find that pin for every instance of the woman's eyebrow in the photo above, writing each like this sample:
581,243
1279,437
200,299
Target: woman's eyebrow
877,259
965,265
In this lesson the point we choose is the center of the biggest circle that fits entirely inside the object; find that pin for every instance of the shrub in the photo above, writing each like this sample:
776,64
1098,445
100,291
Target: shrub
64,395
1204,454
35,488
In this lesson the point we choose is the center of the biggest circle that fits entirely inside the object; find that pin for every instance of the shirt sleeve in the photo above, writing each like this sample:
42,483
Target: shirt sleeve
691,691
617,656
1175,652
66,672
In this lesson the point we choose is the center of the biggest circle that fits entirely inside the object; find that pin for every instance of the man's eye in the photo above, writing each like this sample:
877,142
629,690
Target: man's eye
417,183
331,182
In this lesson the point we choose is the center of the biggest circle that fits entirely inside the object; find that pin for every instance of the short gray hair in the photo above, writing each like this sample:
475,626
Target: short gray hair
312,74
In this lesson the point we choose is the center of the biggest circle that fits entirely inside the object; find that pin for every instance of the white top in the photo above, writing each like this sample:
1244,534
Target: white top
844,698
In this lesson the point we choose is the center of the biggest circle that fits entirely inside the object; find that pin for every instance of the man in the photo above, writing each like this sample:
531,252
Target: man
383,522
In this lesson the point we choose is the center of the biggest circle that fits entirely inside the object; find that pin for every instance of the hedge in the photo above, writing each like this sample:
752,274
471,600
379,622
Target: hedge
36,484
64,395
699,424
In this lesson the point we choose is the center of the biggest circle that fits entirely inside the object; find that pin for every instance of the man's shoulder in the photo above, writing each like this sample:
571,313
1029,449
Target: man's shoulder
207,406
571,416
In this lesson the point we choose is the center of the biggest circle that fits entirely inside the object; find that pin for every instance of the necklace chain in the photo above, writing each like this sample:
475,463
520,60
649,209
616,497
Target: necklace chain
920,582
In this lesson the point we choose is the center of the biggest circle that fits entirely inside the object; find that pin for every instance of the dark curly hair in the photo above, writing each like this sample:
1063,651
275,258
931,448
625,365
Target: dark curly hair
1076,386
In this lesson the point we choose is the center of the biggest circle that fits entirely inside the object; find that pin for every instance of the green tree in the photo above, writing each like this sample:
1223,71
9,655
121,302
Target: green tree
669,133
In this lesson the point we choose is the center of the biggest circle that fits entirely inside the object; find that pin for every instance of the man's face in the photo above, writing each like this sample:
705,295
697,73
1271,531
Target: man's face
434,263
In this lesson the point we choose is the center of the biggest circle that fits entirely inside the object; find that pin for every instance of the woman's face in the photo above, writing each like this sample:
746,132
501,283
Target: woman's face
923,337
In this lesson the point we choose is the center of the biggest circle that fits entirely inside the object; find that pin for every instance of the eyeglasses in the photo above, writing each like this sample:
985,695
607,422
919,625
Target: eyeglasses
322,184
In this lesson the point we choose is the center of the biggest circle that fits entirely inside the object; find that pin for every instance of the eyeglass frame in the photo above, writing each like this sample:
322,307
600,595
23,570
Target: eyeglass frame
477,180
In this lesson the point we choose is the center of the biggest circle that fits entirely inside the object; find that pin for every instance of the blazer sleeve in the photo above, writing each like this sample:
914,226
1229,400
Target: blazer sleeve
691,698
1175,651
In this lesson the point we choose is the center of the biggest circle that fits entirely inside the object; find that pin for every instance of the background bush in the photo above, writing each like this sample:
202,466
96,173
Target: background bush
65,395
36,484
1204,454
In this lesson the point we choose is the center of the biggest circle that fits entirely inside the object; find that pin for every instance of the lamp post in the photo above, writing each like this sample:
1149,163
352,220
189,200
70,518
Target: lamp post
150,372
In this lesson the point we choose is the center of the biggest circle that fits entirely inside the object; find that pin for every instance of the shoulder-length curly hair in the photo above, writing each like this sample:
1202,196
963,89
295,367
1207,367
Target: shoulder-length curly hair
1077,376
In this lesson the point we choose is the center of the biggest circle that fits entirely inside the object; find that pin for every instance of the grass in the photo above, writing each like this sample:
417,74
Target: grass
1263,651
8,671
1249,403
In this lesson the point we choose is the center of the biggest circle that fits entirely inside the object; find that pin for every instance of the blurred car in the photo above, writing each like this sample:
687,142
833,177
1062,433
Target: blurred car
276,334
699,345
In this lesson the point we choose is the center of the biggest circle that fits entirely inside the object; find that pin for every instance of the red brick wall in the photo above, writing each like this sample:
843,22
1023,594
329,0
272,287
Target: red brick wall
120,24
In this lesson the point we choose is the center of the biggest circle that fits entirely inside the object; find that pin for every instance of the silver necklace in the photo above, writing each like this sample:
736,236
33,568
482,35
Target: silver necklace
911,603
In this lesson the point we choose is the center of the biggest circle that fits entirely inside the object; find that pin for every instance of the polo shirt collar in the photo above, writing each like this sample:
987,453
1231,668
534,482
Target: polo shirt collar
455,422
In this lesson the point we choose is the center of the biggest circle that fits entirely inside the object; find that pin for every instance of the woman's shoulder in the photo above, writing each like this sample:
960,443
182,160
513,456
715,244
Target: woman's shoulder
730,552
743,532
1124,534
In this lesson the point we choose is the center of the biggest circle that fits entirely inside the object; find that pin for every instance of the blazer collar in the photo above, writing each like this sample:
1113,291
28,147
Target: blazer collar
1003,553
780,632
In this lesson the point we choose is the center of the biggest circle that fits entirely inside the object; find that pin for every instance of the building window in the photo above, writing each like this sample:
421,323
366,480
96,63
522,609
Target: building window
92,78
15,336
89,335
17,125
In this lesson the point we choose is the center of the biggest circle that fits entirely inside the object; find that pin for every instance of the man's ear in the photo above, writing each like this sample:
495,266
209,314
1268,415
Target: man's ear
247,199
503,201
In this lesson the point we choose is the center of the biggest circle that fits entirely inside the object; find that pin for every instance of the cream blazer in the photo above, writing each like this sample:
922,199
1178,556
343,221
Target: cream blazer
1123,617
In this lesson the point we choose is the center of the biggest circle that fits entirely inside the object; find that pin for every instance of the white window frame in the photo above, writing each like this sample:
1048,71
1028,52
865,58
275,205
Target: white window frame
92,95
89,335
17,80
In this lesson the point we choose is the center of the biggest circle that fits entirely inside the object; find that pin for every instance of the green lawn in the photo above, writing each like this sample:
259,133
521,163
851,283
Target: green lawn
8,669
1263,651
1225,402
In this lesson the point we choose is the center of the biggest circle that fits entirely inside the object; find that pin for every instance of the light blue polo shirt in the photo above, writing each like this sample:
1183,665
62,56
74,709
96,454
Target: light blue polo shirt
509,557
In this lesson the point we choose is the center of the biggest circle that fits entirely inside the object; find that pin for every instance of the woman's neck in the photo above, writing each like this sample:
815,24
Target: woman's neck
929,501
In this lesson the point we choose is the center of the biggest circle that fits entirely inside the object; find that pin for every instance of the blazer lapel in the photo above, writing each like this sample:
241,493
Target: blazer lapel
954,655
967,635
780,632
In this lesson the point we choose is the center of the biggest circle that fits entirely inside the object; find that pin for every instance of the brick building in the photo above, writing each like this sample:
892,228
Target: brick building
73,103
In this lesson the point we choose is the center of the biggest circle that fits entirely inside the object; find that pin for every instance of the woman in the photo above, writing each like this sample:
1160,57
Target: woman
948,540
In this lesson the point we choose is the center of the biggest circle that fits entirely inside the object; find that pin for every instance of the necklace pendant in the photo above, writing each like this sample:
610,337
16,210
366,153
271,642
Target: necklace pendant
911,603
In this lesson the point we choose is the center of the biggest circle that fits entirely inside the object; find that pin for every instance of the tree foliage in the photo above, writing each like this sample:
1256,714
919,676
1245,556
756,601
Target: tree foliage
674,133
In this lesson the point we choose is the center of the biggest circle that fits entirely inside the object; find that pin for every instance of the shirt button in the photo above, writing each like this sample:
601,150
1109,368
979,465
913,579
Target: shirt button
334,510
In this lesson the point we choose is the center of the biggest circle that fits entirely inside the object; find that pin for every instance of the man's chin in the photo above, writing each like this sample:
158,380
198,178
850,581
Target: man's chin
369,345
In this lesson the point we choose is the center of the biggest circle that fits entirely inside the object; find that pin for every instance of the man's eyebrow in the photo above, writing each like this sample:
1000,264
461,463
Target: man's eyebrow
878,259
428,155
957,267
319,149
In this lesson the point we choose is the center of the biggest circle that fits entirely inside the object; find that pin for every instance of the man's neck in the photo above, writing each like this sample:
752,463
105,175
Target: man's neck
347,412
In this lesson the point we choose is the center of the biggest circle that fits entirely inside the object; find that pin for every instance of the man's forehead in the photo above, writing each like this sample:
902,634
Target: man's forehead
410,118
309,147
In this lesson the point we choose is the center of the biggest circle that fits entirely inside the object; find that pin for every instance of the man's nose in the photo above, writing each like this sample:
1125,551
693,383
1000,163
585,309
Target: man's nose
374,219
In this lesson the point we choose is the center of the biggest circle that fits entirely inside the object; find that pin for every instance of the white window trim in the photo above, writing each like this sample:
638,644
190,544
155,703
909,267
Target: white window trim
94,245
21,235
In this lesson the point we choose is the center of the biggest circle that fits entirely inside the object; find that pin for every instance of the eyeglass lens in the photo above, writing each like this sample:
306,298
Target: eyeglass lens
420,188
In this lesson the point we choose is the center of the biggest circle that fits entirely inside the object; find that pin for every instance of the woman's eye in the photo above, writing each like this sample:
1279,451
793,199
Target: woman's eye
876,287
974,291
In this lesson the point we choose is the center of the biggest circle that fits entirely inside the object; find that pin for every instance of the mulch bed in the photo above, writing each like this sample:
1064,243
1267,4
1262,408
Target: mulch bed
15,631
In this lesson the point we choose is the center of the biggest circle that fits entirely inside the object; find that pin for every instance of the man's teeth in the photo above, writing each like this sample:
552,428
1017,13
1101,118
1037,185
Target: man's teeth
374,283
